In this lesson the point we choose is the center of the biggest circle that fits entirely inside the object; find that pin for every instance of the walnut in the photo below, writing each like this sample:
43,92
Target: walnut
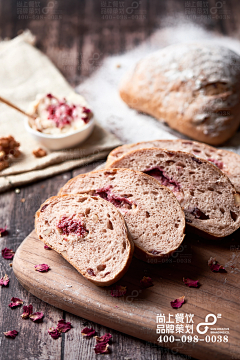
38,153
10,146
8,150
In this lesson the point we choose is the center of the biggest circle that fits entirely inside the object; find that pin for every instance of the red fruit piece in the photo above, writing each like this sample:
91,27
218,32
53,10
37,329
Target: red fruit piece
101,348
191,283
199,214
214,266
15,302
218,163
27,310
69,225
116,200
63,326
90,272
37,316
146,282
3,231
7,253
54,333
177,303
88,332
4,280
119,291
12,334
47,247
103,339
161,176
42,268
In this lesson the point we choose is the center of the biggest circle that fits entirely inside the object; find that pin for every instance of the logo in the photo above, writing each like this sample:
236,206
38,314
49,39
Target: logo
218,6
134,6
206,323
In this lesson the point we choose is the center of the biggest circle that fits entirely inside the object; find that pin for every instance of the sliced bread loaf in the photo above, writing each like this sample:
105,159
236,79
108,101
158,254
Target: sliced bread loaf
90,233
227,161
152,213
209,199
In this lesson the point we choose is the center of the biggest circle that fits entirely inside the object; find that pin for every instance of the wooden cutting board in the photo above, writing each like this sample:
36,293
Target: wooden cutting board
135,313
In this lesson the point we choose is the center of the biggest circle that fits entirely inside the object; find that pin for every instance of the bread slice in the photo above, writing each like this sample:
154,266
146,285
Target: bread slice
90,233
209,199
227,161
152,213
193,87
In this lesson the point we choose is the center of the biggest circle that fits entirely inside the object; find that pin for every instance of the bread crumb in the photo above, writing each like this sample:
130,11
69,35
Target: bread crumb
118,65
23,200
39,153
10,264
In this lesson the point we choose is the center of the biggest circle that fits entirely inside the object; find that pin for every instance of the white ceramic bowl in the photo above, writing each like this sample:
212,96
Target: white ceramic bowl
64,141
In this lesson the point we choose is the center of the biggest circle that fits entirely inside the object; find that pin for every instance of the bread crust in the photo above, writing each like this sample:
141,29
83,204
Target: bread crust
90,278
148,152
139,252
194,88
229,160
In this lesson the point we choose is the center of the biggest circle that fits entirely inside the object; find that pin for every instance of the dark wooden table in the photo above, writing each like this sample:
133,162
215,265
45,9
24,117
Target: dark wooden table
79,28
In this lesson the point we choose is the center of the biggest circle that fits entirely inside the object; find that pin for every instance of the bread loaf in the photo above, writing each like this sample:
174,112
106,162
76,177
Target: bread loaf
194,88
209,199
153,215
227,161
88,232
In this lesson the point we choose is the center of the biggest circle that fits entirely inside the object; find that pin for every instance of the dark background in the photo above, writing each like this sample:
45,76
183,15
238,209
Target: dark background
78,31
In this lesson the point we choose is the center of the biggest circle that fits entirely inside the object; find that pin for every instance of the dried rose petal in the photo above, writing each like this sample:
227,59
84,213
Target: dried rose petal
119,291
47,247
103,339
15,302
4,280
3,231
7,253
101,348
214,266
27,310
54,333
63,326
12,334
42,268
177,303
146,282
88,332
37,316
191,283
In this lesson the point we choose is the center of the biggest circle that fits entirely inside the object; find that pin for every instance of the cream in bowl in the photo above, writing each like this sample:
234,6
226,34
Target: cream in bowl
59,123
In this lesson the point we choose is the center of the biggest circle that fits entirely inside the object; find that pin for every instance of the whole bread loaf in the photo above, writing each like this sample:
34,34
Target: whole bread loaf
194,88
210,201
227,161
90,233
153,215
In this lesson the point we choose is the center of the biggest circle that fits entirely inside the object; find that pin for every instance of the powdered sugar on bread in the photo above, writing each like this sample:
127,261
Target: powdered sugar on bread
193,87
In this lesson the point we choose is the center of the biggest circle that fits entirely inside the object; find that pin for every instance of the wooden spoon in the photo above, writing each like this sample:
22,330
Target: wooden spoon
15,107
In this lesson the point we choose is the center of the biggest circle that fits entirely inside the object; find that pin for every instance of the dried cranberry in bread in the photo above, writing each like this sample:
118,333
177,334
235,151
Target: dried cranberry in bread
90,233
194,88
227,161
153,215
209,199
